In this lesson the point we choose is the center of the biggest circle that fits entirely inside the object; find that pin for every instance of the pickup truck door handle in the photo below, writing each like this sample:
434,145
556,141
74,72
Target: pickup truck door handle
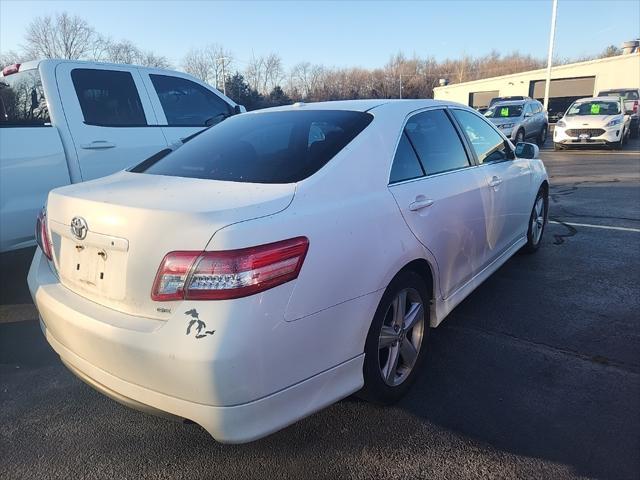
495,181
420,202
98,145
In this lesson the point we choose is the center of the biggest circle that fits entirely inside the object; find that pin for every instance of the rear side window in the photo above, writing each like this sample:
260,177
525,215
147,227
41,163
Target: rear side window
108,98
185,103
269,147
406,165
436,142
625,94
22,100
488,145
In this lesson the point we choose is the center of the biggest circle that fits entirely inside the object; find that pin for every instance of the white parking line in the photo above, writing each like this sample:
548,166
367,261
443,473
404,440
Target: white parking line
604,227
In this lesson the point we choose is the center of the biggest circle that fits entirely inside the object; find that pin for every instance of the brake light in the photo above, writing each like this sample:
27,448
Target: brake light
228,274
635,106
42,235
11,69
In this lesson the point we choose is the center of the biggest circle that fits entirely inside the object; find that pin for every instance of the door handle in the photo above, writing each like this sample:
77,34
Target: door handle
495,181
420,203
98,145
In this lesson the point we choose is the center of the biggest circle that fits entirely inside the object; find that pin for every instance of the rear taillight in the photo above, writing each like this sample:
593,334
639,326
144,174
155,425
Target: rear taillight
11,69
228,274
635,106
42,235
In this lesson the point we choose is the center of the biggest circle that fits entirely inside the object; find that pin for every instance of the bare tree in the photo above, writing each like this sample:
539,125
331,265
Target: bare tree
62,36
126,52
209,64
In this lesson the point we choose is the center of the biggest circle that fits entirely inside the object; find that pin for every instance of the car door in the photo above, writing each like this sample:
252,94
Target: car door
183,106
507,179
440,194
109,115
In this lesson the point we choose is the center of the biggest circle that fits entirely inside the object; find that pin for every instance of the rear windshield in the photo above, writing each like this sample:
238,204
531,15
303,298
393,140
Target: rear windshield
594,108
270,147
504,111
22,101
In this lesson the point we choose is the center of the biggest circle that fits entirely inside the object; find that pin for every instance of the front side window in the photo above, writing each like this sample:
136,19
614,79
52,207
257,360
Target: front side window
487,144
436,142
406,165
185,103
108,98
22,101
597,107
269,147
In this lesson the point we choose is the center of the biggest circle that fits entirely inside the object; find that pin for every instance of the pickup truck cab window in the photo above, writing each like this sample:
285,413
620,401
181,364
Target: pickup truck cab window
22,100
108,98
185,103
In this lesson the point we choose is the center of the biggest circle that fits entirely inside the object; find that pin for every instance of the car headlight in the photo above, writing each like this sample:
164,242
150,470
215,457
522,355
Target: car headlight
561,124
615,121
504,126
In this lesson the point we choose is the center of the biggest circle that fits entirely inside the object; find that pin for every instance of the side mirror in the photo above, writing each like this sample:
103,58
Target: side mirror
528,114
527,150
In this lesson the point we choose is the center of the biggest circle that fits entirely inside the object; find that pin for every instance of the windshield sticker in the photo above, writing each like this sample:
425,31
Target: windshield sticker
504,112
200,325
595,109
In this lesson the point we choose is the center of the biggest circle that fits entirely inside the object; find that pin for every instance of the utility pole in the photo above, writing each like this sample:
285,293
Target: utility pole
552,36
224,77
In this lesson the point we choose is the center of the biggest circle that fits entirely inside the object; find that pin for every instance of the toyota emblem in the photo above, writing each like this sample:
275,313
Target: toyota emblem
79,228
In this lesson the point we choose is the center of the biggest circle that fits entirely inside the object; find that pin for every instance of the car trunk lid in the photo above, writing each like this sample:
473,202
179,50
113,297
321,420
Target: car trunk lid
110,235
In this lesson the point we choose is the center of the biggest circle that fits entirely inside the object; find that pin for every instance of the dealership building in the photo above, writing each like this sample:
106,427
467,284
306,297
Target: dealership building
568,83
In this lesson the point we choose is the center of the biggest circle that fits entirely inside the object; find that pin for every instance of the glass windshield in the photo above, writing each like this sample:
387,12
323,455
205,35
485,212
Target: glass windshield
270,147
600,107
504,111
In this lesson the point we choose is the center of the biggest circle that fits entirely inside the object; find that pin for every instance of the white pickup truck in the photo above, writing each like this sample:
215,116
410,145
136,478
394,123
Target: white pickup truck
64,121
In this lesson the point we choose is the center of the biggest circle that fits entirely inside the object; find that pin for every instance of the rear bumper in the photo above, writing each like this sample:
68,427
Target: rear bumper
255,375
233,424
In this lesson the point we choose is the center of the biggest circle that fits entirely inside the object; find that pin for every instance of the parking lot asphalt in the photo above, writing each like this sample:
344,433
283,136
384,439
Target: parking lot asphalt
535,375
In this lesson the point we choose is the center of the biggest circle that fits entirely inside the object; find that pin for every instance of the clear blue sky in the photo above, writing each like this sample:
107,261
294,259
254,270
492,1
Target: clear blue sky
344,33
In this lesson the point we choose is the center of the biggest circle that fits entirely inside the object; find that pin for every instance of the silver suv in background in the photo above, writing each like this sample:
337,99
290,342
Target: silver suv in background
520,120
631,97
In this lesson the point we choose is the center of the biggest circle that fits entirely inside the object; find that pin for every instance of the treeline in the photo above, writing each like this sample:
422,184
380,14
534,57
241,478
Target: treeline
263,81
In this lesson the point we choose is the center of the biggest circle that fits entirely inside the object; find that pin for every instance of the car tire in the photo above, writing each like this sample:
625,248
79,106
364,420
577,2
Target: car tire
394,353
557,147
537,222
519,136
635,132
542,136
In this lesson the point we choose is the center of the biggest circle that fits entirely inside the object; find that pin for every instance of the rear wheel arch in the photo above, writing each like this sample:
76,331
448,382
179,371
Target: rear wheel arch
422,268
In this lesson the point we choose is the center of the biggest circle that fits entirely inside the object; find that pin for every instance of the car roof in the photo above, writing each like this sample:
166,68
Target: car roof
510,102
591,99
361,105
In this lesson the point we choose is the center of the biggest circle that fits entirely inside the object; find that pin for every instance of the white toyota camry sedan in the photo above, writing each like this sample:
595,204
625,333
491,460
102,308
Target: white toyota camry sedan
282,260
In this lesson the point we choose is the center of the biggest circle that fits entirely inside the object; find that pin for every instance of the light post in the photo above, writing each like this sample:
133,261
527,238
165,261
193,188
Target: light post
552,36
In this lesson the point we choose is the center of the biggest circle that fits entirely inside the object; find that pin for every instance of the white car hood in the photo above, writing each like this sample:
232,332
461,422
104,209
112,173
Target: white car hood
588,121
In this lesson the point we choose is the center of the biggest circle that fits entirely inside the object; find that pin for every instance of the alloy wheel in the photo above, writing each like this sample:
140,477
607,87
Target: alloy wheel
537,220
401,336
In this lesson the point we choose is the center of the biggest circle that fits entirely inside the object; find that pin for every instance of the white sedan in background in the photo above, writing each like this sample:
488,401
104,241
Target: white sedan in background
593,121
283,259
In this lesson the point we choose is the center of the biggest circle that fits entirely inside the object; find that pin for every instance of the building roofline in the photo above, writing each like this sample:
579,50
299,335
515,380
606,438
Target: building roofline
541,70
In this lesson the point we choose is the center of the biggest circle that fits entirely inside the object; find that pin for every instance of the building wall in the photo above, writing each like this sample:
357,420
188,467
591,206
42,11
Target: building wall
613,72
